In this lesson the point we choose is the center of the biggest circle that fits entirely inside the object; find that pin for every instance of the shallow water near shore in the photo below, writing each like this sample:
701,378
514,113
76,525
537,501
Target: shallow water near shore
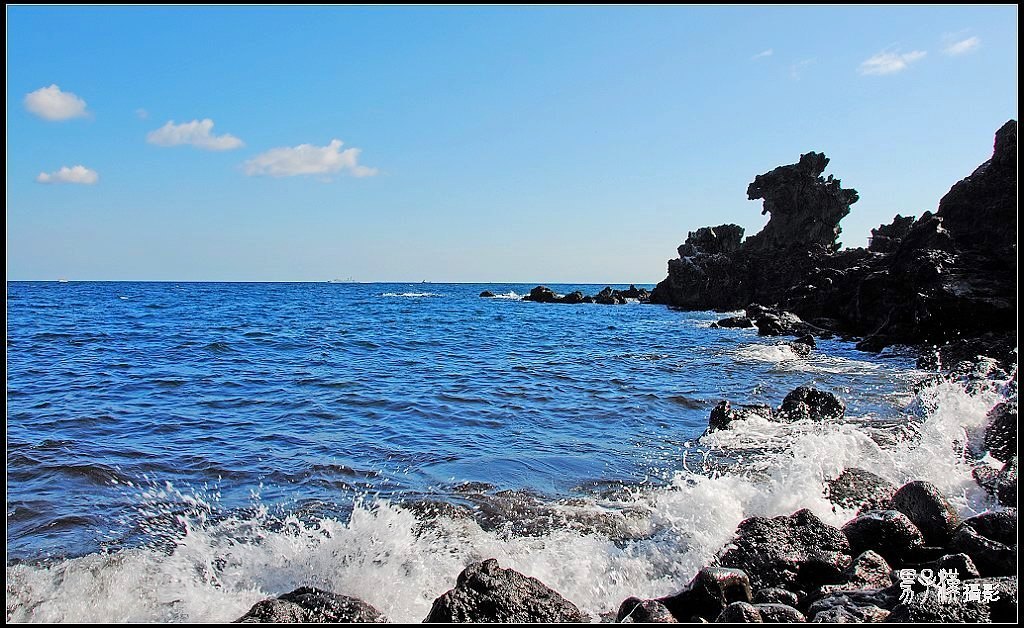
177,452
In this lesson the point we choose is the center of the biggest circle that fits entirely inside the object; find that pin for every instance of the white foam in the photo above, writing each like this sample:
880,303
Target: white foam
383,555
412,295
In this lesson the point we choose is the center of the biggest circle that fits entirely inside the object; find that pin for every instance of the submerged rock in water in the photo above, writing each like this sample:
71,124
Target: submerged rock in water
735,321
860,489
803,345
485,592
813,404
708,594
724,413
799,552
928,509
307,605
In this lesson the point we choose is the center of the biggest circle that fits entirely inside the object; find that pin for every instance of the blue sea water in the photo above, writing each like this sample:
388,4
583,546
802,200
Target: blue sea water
146,420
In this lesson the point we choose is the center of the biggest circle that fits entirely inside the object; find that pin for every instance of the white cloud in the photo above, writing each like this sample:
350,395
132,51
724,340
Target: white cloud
763,54
961,47
141,113
796,71
76,174
890,62
52,104
197,133
307,159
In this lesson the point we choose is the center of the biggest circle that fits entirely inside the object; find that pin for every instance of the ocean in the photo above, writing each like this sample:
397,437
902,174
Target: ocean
180,451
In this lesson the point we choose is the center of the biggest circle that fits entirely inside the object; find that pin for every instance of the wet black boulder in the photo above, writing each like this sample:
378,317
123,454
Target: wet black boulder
485,592
928,509
799,552
307,605
810,403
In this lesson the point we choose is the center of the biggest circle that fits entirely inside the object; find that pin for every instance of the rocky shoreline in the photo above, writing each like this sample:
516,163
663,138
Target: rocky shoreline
907,556
944,282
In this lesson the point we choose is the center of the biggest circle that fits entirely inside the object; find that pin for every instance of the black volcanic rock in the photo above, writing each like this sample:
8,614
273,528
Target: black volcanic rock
948,276
710,591
810,403
774,613
487,593
541,294
799,552
928,509
805,208
990,539
486,294
307,605
887,238
712,241
888,532
636,611
1001,433
860,489
725,413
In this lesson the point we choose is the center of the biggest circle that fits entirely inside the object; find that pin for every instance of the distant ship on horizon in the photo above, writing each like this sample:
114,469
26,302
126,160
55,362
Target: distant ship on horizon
349,280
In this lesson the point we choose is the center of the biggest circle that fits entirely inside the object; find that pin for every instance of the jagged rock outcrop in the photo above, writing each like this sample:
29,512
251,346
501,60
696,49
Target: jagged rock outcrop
717,271
945,276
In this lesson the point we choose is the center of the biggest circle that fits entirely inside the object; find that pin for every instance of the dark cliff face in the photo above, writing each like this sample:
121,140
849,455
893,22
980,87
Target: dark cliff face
943,276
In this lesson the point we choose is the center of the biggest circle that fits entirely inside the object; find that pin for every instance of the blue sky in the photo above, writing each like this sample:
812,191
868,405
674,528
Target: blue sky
520,144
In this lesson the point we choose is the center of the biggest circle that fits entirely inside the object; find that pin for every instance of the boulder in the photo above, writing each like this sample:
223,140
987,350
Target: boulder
799,552
735,321
710,591
1001,433
636,611
868,571
779,614
307,605
573,297
486,294
890,533
852,606
541,294
928,509
807,403
485,592
740,613
990,539
860,489
723,414
776,595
